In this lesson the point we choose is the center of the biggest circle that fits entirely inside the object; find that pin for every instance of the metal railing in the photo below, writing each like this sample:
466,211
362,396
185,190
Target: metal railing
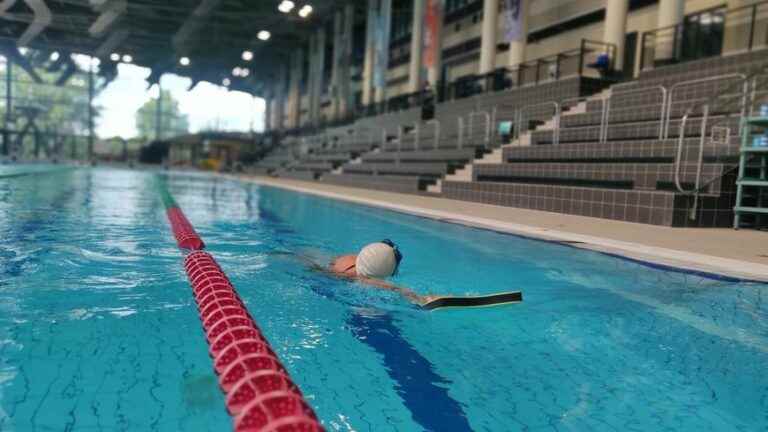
384,138
707,33
747,98
485,116
741,78
522,123
603,107
436,138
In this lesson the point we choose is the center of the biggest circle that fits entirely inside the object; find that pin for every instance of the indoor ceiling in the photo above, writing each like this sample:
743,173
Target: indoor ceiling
156,34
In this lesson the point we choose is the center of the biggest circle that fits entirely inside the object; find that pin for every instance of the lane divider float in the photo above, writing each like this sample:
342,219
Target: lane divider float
260,395
186,236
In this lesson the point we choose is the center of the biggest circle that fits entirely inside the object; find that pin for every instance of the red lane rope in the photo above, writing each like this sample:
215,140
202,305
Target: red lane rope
186,236
260,394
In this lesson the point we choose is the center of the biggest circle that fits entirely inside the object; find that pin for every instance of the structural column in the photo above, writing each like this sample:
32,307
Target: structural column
370,49
382,49
279,95
91,133
671,13
294,92
342,52
345,86
417,43
8,105
338,53
317,75
311,79
488,39
616,28
268,113
159,111
517,44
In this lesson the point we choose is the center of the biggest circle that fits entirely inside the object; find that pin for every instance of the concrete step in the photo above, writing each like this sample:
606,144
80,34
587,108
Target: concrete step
436,188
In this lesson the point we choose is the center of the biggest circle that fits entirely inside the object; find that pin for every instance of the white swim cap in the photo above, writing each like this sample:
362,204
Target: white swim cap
376,260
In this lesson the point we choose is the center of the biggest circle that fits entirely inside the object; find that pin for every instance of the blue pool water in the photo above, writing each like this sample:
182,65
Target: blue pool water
98,329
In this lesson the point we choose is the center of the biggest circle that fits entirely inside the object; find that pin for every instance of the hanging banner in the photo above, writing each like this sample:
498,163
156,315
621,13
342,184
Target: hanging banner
381,64
513,20
432,15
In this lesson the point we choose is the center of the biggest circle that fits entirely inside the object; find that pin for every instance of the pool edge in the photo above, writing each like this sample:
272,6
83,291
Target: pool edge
671,259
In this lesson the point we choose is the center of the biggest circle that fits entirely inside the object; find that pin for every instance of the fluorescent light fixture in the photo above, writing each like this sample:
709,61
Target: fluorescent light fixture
305,11
264,35
127,58
226,82
247,55
54,56
114,57
184,61
286,6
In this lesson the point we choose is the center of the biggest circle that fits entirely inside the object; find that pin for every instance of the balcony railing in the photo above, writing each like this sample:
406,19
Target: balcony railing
707,34
574,62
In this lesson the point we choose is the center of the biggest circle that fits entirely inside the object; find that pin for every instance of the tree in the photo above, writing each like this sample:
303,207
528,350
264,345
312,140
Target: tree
60,111
172,121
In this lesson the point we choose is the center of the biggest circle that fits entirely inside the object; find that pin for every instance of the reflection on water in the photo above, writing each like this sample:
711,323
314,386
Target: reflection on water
98,330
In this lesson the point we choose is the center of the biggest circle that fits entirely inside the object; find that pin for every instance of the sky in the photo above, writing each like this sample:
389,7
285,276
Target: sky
206,105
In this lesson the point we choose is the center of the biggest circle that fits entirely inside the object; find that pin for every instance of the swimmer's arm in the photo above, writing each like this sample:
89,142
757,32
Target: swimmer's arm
305,259
405,292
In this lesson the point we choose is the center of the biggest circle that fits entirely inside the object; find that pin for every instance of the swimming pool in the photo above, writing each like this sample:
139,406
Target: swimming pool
98,329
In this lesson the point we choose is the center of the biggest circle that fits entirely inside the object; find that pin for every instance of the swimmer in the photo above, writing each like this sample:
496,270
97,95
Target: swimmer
380,260
372,265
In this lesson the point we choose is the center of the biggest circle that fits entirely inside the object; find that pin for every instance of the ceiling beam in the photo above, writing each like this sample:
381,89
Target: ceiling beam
112,42
42,19
194,23
111,12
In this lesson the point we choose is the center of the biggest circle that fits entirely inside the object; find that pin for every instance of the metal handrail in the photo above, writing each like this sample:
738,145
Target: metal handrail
555,131
487,117
436,123
702,139
603,126
700,162
384,138
607,110
709,101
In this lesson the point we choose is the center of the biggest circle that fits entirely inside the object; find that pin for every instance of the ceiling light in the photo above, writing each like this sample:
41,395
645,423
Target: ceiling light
225,82
184,61
244,72
247,55
114,57
127,58
236,71
95,61
264,35
54,56
286,6
305,11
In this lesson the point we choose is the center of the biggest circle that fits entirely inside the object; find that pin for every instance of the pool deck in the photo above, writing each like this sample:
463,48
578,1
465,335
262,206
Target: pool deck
741,254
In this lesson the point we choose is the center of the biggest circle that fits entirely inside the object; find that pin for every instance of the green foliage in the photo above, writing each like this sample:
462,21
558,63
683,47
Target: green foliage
172,121
61,110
